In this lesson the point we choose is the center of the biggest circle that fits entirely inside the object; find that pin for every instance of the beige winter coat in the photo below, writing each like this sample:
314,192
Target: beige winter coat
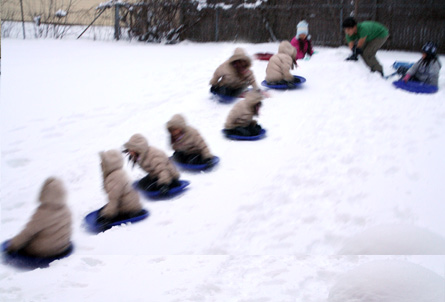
122,198
191,142
242,113
226,74
48,233
280,64
152,160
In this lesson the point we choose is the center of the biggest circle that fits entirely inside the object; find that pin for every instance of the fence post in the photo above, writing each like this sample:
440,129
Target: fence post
23,19
216,24
117,29
341,25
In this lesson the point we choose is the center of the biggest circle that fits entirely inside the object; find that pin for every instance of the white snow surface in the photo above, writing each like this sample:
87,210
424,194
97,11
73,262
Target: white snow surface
402,283
347,185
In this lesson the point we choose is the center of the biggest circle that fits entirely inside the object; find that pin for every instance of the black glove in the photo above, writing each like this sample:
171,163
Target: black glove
163,190
355,52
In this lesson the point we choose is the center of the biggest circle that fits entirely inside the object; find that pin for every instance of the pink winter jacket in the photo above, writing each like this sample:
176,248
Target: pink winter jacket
226,75
48,233
152,160
302,52
191,142
280,64
242,112
122,198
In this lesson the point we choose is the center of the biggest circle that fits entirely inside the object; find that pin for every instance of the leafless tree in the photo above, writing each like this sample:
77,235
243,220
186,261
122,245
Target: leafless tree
154,20
51,17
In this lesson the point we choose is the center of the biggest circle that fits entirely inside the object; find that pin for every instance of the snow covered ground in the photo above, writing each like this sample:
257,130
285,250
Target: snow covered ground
346,187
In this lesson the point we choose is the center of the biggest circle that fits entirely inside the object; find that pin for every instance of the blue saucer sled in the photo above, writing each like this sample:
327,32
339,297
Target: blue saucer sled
415,87
200,167
24,261
411,86
96,227
156,195
261,135
298,82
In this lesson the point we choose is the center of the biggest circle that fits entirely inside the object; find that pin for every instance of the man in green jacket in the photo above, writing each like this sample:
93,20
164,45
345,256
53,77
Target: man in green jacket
364,39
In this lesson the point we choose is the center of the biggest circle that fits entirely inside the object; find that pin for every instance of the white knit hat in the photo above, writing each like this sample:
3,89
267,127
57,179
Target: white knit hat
302,28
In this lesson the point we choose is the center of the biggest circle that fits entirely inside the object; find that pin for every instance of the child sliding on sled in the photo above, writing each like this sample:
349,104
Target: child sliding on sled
162,174
240,119
280,64
302,41
123,201
426,70
189,146
48,233
233,76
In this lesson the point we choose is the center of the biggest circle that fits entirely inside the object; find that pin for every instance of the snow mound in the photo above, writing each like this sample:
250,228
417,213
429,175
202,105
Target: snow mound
388,281
393,239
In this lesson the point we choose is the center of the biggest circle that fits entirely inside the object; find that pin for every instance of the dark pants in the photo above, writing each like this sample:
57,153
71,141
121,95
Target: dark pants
119,217
151,184
369,52
192,158
251,130
23,252
227,91
290,84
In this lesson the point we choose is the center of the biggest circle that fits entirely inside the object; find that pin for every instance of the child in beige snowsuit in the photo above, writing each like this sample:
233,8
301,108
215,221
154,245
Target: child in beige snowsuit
162,174
123,200
233,76
280,64
48,233
240,119
188,144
